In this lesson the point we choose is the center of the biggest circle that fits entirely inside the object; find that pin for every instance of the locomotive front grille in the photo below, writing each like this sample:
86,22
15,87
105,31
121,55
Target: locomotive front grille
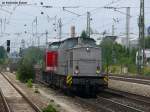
77,80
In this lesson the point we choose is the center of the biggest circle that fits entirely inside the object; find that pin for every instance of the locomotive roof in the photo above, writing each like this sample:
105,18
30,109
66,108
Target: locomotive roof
76,38
70,43
54,45
57,42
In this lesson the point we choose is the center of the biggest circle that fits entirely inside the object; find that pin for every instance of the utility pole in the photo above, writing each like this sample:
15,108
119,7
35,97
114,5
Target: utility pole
113,29
1,25
88,29
46,38
127,26
36,22
32,35
4,24
141,52
113,26
60,28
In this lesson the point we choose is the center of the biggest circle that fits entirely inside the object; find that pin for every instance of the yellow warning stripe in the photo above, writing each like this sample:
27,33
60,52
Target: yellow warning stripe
69,80
68,77
106,78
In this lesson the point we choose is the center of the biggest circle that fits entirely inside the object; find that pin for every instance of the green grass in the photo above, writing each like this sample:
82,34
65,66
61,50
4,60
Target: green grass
147,71
29,83
17,76
49,108
116,69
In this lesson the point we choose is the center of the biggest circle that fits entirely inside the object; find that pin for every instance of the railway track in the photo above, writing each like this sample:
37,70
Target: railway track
21,103
135,79
129,101
3,103
115,101
102,104
142,99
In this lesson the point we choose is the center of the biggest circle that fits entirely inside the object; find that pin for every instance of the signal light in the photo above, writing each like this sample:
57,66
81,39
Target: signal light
8,46
8,49
8,43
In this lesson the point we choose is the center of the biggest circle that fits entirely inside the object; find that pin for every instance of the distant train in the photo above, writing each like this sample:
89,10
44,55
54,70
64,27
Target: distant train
74,64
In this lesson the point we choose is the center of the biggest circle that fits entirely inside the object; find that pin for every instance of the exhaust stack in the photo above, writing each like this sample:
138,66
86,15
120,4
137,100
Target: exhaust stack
72,34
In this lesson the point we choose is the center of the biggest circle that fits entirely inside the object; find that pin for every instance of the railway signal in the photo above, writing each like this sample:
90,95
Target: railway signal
8,46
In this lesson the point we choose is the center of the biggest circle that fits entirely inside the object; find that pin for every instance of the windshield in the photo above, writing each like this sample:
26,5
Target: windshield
54,46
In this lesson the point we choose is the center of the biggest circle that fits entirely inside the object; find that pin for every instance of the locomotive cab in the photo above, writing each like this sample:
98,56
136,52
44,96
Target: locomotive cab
51,57
50,61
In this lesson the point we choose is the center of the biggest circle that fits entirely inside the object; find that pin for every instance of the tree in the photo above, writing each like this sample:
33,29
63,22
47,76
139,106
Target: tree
106,47
116,54
3,55
84,35
147,42
31,56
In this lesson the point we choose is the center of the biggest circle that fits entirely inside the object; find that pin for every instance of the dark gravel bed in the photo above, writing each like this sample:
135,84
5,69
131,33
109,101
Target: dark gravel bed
131,100
105,102
131,79
131,76
91,105
102,104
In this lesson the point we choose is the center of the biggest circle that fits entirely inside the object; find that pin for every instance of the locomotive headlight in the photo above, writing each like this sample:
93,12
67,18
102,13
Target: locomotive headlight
77,71
87,49
98,70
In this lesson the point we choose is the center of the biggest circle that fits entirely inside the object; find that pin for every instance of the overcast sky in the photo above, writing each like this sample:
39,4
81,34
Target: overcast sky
20,18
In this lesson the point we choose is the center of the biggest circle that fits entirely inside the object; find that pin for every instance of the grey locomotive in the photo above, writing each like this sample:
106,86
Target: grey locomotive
80,61
79,66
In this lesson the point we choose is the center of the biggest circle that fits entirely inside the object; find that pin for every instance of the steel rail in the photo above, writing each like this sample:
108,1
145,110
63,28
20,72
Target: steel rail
93,104
120,104
137,79
130,96
6,106
35,107
131,79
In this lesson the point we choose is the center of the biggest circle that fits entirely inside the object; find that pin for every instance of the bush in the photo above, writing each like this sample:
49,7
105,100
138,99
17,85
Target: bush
132,68
49,108
147,71
31,56
116,69
147,74
25,71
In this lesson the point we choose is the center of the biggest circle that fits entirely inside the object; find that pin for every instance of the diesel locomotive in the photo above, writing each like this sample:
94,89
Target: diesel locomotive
74,64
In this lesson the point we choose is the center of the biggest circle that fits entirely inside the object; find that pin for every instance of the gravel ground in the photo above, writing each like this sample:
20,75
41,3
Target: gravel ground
16,102
69,104
135,88
49,96
2,108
